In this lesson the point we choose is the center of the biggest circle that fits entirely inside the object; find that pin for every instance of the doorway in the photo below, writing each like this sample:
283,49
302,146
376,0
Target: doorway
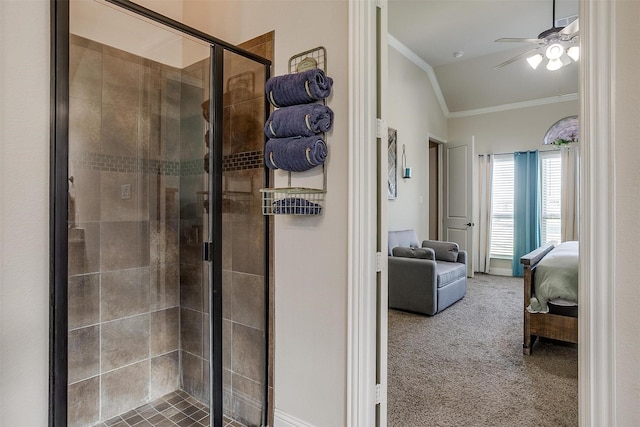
597,380
434,190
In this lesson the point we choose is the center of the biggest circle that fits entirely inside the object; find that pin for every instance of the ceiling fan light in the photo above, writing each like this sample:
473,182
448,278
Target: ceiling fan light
554,64
534,60
554,51
574,53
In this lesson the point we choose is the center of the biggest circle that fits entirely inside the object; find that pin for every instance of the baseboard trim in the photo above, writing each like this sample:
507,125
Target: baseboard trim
501,271
282,419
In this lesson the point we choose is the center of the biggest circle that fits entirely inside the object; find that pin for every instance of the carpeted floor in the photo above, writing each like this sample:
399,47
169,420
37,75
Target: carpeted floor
465,367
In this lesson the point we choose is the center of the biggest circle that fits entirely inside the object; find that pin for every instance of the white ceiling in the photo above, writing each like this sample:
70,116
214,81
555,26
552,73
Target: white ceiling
435,29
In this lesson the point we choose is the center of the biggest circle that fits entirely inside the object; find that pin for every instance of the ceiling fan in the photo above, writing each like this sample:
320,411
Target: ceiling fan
556,41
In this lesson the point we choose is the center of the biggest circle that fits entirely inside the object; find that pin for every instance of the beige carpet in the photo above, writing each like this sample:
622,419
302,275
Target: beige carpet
465,367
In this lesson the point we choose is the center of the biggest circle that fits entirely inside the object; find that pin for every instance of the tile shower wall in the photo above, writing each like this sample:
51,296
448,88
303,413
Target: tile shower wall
126,123
138,299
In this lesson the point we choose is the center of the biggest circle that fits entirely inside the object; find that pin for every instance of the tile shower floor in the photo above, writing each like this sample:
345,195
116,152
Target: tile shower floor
174,409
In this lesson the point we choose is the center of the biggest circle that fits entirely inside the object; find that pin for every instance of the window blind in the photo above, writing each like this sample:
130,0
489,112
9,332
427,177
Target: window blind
550,186
502,207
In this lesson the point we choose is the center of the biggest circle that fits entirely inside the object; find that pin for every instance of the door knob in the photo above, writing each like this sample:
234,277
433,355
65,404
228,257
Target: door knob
470,224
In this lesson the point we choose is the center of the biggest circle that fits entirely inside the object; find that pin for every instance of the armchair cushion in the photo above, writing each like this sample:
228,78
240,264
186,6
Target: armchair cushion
403,238
445,251
450,272
422,253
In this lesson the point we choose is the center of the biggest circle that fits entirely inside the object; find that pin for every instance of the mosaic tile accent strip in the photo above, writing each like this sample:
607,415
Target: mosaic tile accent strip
243,161
192,167
108,163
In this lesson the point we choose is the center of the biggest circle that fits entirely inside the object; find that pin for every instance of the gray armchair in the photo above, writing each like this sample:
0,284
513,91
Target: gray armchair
425,278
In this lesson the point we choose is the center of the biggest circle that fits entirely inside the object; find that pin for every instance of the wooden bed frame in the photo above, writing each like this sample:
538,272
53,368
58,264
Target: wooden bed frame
547,325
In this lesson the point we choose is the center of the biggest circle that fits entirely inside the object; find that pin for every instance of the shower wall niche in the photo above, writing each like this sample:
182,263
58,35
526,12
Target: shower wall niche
138,290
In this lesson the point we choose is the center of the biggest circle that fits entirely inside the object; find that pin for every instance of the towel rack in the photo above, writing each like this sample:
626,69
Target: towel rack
299,200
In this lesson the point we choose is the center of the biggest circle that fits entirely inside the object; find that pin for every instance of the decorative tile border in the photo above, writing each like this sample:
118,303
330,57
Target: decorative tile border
108,163
243,161
192,167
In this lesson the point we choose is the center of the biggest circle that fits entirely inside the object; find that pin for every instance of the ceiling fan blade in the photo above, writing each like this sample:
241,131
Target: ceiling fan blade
520,40
571,30
515,58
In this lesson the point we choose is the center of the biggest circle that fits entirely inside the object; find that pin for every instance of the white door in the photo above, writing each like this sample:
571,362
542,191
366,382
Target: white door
458,174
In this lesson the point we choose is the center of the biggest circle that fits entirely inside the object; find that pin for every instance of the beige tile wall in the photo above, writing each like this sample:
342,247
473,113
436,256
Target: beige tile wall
124,326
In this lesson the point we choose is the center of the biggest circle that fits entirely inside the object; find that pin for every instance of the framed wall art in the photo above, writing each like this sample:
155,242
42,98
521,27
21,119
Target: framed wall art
392,187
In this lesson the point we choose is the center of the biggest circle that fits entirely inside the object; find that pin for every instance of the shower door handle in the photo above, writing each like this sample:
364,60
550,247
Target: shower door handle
207,251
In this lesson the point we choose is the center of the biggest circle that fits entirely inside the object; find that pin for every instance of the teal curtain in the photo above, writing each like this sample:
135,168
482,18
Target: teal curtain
526,207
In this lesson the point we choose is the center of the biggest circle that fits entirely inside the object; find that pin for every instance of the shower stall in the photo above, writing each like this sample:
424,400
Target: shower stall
160,252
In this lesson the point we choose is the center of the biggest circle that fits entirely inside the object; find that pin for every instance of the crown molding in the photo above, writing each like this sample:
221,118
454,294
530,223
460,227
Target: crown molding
421,63
514,106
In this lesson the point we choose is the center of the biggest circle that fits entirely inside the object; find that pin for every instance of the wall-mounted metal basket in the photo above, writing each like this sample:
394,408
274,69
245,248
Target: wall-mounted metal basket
299,200
292,201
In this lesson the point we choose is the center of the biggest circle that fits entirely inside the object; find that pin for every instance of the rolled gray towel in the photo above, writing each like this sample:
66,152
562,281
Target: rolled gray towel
298,88
299,120
295,154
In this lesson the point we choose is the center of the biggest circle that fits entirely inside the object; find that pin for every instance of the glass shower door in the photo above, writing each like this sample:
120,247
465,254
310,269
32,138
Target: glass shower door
243,233
138,214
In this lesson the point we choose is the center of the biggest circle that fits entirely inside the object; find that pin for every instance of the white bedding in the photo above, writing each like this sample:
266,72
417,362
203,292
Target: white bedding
556,278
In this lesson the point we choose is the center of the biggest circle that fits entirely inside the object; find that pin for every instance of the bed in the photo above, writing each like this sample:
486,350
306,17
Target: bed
550,294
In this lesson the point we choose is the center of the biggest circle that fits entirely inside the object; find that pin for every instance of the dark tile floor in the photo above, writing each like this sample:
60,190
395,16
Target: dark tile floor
174,409
227,422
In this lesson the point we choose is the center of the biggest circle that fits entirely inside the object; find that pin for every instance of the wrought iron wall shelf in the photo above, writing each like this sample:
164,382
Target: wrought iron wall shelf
299,200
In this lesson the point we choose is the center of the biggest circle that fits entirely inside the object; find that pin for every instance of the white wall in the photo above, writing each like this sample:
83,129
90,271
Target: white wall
310,253
414,111
24,212
627,177
511,130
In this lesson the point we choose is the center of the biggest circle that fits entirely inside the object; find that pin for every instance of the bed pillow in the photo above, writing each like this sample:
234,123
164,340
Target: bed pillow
422,253
445,251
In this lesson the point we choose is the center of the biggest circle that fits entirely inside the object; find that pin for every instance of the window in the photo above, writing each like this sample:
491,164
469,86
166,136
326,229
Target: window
550,189
502,185
502,201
